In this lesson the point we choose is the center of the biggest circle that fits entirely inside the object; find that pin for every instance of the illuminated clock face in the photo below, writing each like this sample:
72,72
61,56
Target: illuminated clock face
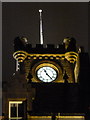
46,74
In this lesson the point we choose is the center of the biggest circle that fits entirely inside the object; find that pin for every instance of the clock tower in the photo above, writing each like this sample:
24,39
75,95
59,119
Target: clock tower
54,73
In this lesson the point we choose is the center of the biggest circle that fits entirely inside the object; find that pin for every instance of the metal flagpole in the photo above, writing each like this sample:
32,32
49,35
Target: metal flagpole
41,29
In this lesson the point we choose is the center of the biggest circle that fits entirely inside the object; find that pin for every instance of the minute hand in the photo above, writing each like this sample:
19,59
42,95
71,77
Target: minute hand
47,74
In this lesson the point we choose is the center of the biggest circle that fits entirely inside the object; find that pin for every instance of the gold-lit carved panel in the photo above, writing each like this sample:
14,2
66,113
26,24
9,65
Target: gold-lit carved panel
57,117
68,62
70,56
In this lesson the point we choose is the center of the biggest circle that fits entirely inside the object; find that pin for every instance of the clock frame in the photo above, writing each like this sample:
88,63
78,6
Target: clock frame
47,63
47,72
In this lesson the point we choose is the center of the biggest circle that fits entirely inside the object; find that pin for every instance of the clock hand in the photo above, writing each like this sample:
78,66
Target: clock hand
47,74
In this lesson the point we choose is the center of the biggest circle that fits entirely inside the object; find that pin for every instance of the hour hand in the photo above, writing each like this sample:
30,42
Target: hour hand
47,74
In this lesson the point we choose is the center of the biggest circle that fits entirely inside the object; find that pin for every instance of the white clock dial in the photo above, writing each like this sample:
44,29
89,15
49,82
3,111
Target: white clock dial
46,74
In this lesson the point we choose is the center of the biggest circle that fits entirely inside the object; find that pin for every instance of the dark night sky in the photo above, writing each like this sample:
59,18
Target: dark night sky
59,21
